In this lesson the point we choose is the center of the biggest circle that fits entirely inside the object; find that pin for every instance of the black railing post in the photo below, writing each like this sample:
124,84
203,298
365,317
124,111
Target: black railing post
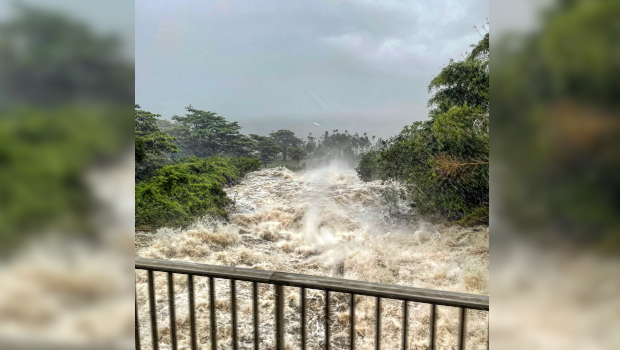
255,314
327,345
192,311
378,325
352,322
462,328
432,329
153,311
172,312
212,313
303,318
279,317
405,323
233,312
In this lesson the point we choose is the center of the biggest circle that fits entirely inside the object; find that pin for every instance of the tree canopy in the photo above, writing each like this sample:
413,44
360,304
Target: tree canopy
267,148
285,139
206,134
297,154
310,144
152,144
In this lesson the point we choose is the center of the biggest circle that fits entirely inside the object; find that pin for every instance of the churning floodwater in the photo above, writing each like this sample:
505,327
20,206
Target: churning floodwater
323,222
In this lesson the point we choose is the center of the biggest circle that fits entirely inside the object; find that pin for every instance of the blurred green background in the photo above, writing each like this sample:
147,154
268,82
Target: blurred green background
555,122
66,94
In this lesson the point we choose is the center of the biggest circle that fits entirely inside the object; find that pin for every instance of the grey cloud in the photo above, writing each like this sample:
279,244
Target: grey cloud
286,63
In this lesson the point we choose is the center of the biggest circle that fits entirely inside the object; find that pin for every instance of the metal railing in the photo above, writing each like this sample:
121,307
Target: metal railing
280,280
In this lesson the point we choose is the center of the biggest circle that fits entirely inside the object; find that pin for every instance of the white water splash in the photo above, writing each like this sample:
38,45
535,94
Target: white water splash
327,222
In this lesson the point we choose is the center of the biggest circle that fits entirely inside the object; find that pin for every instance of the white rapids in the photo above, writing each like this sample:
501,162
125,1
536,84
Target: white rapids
322,222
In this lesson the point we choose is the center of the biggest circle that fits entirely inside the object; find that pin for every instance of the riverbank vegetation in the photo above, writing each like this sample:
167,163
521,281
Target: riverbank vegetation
444,161
180,193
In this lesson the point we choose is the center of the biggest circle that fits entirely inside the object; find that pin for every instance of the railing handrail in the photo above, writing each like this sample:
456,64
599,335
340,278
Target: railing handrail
339,285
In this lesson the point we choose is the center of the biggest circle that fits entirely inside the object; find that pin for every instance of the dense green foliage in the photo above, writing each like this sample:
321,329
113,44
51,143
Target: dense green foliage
267,148
297,154
369,167
444,161
179,194
152,145
285,139
140,153
206,134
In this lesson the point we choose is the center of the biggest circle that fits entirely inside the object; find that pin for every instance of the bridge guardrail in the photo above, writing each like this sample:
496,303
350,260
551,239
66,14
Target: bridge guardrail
281,279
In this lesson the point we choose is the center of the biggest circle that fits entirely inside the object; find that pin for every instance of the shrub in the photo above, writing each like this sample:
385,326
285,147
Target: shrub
183,192
369,168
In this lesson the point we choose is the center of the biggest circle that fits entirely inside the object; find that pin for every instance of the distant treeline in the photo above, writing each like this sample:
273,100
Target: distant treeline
444,161
339,146
204,134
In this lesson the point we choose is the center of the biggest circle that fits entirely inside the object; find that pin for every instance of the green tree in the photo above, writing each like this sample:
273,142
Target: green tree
242,146
285,139
463,82
310,145
369,167
267,148
444,160
206,134
297,154
140,153
182,137
152,144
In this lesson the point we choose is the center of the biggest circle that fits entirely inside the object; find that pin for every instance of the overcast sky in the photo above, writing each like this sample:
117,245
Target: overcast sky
358,65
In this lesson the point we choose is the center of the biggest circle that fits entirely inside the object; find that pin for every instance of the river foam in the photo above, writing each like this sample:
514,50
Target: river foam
323,222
